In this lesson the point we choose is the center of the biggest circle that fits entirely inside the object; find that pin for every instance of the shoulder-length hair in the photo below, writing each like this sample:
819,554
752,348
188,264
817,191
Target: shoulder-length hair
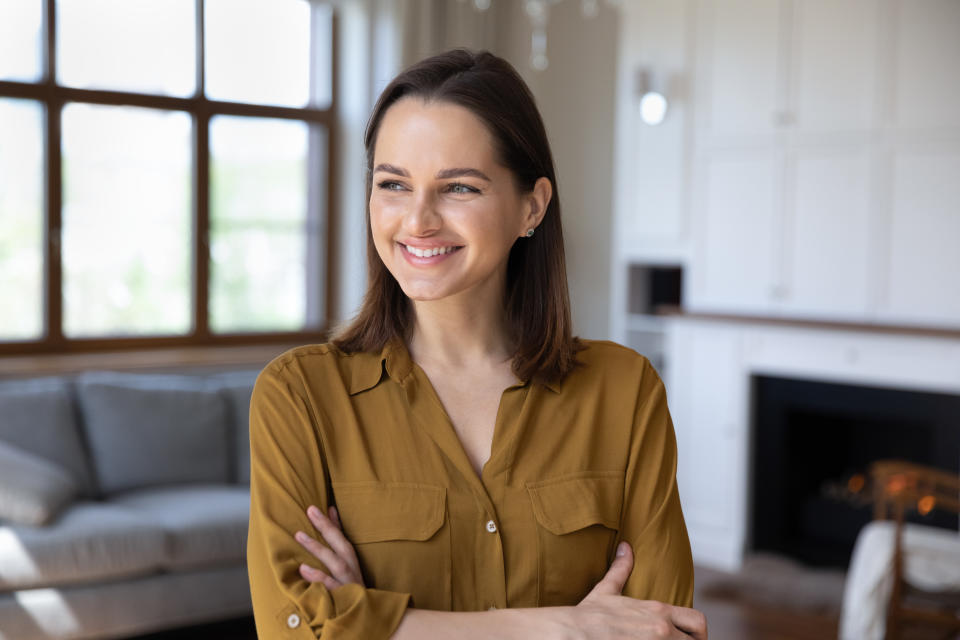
537,301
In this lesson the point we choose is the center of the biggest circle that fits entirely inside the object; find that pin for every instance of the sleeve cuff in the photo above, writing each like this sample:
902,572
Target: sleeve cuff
365,614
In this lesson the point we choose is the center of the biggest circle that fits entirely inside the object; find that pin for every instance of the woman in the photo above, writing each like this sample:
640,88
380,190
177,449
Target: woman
478,455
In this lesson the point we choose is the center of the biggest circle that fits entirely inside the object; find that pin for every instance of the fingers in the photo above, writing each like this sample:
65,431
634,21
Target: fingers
311,574
616,576
690,621
337,566
333,535
337,555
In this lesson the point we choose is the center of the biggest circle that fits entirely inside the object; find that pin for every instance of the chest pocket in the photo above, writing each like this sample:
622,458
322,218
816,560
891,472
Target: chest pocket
401,536
578,517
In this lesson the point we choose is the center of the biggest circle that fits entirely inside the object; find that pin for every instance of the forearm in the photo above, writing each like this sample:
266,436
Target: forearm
550,623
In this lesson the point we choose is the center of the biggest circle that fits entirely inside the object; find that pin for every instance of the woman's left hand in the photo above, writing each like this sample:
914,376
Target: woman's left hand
339,557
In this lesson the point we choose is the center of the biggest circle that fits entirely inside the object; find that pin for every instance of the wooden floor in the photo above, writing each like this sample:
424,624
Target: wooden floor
730,620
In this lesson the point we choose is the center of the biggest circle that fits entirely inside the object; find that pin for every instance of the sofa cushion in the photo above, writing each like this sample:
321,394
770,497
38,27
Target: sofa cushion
33,490
146,430
204,524
38,416
91,541
128,608
238,387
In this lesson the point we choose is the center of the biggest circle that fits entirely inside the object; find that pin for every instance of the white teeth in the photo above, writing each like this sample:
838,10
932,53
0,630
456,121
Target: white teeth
428,253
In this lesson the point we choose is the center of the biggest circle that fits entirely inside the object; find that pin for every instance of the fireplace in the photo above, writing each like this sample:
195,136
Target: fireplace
808,434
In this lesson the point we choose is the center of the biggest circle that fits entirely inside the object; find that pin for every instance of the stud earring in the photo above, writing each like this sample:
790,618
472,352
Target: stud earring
529,233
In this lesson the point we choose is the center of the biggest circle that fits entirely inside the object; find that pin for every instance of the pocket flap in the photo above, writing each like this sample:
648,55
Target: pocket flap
378,511
566,504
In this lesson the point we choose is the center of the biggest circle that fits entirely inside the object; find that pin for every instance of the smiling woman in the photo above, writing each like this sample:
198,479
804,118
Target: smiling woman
492,475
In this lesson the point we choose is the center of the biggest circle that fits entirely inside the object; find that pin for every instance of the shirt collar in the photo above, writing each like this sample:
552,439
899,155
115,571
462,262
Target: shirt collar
368,368
394,360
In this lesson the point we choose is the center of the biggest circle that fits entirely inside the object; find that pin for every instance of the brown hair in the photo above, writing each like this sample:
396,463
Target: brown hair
537,302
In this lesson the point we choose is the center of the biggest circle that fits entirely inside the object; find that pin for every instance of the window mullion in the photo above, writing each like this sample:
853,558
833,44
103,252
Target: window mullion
54,188
201,209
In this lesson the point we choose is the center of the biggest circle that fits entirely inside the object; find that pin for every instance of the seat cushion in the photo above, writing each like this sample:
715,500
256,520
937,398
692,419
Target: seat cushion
148,430
38,416
204,524
33,490
127,607
90,541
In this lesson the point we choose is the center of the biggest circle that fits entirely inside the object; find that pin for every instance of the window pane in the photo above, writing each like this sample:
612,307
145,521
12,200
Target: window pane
127,234
21,220
264,242
147,46
21,24
258,51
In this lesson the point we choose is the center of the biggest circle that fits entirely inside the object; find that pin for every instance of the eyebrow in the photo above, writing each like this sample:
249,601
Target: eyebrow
441,175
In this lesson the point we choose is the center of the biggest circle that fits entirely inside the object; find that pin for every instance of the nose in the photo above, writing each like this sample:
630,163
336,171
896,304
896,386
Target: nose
422,218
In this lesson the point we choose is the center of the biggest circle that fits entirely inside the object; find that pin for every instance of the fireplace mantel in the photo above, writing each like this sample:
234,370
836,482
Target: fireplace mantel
711,363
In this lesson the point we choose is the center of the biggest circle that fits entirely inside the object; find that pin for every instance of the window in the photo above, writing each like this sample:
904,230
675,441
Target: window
163,172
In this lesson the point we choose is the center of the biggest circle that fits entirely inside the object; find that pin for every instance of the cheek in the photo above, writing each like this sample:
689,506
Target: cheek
380,229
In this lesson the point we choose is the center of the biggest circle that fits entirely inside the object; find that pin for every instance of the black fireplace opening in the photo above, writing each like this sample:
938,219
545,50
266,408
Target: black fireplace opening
810,435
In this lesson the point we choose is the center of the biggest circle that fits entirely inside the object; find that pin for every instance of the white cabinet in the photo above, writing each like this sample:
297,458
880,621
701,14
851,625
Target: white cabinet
815,173
786,97
735,251
737,67
926,63
707,399
924,266
833,65
829,249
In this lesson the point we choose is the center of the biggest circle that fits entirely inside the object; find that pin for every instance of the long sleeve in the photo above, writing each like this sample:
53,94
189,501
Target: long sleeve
652,520
287,474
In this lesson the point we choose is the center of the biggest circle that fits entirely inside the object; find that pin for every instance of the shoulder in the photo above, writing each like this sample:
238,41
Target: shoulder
611,358
307,353
321,365
610,368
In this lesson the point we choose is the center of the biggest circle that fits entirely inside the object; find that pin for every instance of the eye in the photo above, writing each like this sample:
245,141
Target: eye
390,185
461,188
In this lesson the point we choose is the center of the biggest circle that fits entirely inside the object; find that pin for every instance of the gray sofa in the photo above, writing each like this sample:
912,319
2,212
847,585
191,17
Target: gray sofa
124,502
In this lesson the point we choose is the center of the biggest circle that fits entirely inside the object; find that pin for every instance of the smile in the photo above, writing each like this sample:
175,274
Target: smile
429,253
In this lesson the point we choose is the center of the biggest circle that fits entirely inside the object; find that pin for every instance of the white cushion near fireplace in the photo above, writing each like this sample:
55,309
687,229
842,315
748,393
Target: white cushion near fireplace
931,561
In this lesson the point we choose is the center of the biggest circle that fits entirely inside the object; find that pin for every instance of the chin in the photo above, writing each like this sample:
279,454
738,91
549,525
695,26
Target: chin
423,294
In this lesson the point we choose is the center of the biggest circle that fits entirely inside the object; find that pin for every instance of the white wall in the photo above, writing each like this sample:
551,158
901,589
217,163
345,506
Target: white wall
576,96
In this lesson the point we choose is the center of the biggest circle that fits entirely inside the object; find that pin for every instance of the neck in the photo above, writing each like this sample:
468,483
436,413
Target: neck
461,331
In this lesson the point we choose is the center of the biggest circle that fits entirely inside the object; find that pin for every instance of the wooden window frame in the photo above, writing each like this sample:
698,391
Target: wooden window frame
54,96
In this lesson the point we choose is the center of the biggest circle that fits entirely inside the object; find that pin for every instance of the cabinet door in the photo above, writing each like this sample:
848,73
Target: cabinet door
924,267
828,235
737,86
706,392
927,46
734,267
834,65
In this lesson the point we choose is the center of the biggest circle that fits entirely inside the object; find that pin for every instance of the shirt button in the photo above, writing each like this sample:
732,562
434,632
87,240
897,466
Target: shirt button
491,526
293,620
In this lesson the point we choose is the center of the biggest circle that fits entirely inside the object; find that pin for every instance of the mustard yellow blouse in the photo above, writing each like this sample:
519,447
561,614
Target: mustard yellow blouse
575,467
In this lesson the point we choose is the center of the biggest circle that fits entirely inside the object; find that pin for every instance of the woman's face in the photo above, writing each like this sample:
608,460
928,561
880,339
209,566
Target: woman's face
443,212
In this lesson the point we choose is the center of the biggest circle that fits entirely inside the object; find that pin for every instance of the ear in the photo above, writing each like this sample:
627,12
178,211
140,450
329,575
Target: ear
536,203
